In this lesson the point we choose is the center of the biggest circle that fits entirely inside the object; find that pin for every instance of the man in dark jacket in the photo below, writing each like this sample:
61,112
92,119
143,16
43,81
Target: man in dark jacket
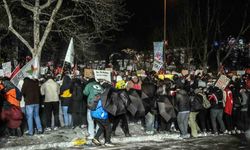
31,93
183,106
216,111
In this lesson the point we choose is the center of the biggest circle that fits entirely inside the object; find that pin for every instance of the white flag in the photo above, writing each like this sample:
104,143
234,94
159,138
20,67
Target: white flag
70,53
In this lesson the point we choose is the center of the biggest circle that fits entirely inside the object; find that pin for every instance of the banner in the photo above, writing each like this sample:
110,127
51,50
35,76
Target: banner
70,53
222,82
30,69
7,69
15,71
158,51
102,75
157,65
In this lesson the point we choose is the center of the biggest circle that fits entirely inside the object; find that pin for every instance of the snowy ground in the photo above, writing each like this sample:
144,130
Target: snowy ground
67,139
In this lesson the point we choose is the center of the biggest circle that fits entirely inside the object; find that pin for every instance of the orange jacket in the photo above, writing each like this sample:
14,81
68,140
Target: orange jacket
10,96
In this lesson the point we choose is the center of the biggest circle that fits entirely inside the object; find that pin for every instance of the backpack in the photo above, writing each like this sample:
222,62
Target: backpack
99,112
196,103
205,103
19,94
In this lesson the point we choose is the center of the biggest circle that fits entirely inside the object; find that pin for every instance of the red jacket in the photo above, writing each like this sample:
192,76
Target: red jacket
229,102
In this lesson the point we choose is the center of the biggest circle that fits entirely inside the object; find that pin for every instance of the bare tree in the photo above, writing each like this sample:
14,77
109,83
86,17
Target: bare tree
89,22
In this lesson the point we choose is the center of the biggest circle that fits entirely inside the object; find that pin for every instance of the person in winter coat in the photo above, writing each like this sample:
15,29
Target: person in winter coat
31,93
149,90
66,99
203,116
228,110
196,106
120,87
216,112
78,106
11,112
245,119
92,89
51,90
183,106
101,118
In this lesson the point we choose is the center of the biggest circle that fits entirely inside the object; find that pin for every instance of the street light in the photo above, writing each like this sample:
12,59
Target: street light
165,30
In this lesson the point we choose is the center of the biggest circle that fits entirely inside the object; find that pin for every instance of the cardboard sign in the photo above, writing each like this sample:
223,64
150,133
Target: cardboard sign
109,69
157,65
88,73
222,82
129,68
44,70
184,72
102,75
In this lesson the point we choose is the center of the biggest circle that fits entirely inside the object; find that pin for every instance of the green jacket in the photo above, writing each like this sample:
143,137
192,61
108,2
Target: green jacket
91,90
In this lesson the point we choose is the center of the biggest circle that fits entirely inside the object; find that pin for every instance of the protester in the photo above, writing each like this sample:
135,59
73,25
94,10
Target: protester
51,90
78,106
11,111
183,106
216,111
66,99
31,93
92,89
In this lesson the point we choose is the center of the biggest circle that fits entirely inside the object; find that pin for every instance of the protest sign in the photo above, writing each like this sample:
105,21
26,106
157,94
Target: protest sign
88,73
44,70
109,69
1,73
157,65
7,69
222,82
240,72
27,70
102,75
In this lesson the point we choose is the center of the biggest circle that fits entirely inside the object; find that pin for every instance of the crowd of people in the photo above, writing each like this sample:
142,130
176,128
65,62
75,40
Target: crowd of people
161,104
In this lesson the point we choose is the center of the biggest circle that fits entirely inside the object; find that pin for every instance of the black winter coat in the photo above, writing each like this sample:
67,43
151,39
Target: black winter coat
182,101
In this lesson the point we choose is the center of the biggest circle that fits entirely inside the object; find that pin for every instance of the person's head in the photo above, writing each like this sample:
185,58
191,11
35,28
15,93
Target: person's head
135,79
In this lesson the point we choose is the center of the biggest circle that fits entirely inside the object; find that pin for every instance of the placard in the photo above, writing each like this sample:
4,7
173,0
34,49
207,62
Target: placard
222,82
157,65
88,73
102,75
6,69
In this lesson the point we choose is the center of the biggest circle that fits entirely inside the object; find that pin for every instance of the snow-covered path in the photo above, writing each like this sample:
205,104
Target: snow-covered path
67,139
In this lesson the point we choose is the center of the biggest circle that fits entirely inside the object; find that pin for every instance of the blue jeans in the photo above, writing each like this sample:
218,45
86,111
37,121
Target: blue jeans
91,127
182,120
217,115
150,120
66,116
32,111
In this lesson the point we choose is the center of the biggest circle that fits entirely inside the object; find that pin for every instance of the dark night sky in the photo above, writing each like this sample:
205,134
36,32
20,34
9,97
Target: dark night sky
147,21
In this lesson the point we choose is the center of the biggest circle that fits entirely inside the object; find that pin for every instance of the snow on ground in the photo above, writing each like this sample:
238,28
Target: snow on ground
66,139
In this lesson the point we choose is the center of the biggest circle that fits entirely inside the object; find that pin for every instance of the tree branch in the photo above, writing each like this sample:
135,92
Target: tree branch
47,4
13,30
49,26
28,7
69,17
